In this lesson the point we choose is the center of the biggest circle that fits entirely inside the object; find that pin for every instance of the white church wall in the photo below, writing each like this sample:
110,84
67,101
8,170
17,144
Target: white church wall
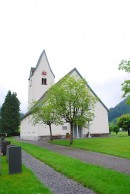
27,130
36,88
56,130
99,125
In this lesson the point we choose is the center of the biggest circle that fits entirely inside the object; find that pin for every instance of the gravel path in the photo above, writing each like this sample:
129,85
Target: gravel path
116,163
57,182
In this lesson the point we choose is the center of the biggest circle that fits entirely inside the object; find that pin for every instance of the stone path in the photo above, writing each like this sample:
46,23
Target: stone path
115,163
58,183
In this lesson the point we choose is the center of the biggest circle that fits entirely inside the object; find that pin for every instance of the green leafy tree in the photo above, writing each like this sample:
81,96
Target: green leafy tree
124,123
0,122
114,127
45,112
73,101
10,117
125,65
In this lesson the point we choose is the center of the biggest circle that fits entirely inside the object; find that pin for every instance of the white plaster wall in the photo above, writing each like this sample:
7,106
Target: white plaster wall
56,130
28,130
100,121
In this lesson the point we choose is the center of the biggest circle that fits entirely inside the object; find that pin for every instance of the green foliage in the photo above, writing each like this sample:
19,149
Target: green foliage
74,101
45,112
114,127
10,117
117,111
124,122
69,100
125,65
0,122
97,178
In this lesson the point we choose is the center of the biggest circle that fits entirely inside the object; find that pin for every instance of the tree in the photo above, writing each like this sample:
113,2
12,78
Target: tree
45,112
10,117
114,127
0,122
73,101
124,123
125,65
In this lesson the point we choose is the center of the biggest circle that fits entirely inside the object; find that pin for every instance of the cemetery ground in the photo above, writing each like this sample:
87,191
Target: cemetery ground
21,183
99,179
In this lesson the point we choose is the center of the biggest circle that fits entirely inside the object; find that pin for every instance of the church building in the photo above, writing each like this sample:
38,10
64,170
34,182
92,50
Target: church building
41,79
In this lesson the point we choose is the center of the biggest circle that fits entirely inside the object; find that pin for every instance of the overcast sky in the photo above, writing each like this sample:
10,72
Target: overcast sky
91,35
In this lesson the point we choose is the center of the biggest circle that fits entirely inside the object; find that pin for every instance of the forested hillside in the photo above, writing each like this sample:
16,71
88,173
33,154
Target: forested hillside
118,110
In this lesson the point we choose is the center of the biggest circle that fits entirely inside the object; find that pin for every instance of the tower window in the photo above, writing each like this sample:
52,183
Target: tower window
44,81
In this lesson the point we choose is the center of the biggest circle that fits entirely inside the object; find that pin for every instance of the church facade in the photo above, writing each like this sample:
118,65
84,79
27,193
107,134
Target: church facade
40,80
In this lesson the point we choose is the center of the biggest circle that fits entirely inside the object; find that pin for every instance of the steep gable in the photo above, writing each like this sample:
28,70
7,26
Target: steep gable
41,79
33,69
74,72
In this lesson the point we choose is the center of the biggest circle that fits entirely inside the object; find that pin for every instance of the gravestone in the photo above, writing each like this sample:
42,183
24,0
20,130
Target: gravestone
7,151
4,147
14,159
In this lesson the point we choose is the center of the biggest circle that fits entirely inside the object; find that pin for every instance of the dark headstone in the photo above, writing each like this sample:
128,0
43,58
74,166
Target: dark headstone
7,151
14,159
4,147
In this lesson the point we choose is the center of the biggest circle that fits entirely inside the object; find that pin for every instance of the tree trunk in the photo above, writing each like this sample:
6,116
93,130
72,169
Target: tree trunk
51,138
71,133
128,131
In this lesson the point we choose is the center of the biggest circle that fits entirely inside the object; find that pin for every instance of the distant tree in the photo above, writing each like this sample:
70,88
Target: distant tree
125,65
45,112
0,121
73,101
114,127
10,117
124,123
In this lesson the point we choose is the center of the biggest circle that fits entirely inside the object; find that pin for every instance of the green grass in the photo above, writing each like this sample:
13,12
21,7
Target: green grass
115,145
120,134
101,180
20,183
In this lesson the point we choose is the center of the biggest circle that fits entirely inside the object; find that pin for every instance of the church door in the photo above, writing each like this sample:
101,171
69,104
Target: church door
77,131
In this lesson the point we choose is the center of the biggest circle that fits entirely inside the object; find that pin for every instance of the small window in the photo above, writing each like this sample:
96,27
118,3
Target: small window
44,81
64,127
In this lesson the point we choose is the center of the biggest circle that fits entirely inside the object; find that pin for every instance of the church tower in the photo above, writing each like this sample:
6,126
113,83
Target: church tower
40,80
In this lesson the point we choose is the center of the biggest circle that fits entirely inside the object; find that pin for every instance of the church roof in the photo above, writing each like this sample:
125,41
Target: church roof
29,112
88,87
33,69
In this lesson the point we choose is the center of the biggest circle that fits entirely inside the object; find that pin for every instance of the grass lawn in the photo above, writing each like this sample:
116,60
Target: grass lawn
101,180
23,183
116,145
120,134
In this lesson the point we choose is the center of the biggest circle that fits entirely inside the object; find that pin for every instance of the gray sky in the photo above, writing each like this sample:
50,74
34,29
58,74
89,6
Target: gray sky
91,35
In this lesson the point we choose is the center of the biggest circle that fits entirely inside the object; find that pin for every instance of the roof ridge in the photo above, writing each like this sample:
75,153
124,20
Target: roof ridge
38,62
